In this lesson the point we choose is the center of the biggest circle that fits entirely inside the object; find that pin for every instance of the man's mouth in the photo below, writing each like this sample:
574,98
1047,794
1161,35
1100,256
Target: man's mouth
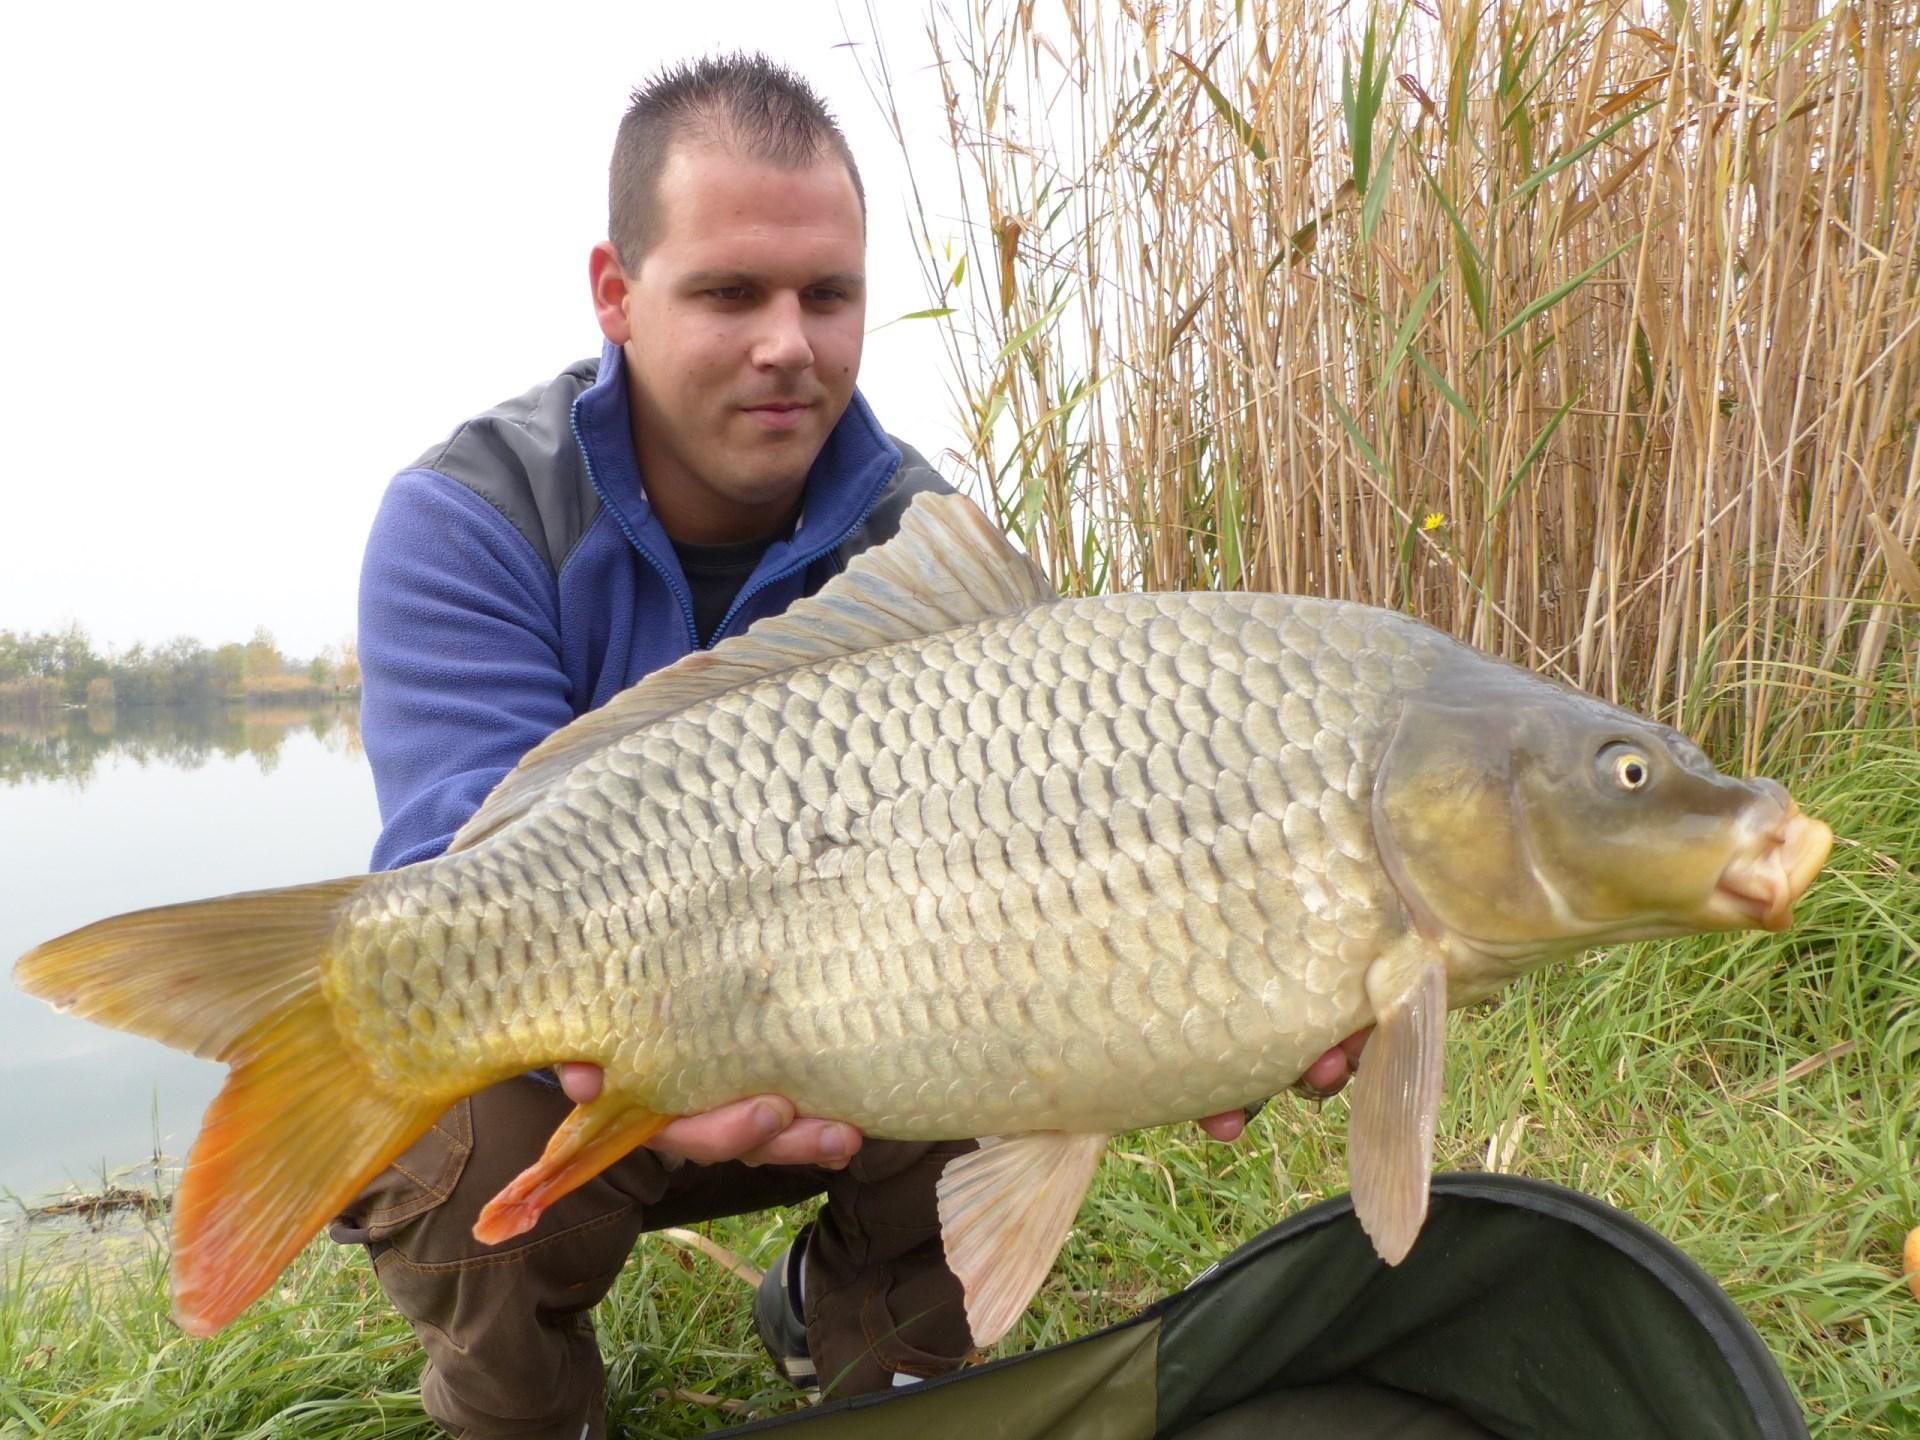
779,414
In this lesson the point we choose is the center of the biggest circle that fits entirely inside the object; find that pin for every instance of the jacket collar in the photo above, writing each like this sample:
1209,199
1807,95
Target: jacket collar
847,477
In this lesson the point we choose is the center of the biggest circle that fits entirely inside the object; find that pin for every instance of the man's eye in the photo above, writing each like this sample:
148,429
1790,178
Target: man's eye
728,292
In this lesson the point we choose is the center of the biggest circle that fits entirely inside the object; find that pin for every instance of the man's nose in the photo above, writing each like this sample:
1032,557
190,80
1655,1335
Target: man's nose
782,343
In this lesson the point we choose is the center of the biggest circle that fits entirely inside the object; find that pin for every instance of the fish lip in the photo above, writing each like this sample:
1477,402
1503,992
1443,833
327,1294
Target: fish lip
1759,885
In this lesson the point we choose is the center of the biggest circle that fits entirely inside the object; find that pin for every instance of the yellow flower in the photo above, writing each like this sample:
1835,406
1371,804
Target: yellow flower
1433,521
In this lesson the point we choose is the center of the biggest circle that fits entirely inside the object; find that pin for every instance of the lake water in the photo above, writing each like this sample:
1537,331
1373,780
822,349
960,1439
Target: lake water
99,815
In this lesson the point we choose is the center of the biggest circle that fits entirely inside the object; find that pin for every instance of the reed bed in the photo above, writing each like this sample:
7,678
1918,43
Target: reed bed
1588,332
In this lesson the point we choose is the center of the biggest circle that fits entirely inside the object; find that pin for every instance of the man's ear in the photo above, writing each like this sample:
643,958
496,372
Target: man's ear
609,281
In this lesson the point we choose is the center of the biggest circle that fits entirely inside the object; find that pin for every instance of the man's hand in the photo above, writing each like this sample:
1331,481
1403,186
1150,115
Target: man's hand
764,1130
1326,1077
760,1130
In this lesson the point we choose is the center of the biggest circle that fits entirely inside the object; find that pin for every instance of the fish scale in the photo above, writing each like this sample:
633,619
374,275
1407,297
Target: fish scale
995,865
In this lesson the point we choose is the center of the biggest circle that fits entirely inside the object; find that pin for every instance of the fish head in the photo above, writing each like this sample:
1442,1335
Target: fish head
1527,819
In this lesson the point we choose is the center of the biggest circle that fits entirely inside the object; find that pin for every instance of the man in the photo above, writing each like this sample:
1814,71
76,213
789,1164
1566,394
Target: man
714,465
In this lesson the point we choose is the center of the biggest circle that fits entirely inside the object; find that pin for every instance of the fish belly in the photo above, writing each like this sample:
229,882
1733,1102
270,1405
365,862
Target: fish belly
1104,864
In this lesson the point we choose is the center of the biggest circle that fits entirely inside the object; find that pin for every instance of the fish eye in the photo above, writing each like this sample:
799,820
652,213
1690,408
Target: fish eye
1631,770
1624,766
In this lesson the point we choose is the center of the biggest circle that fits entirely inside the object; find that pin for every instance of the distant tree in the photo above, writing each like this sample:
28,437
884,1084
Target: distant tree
320,672
66,656
230,670
187,670
73,651
71,659
263,657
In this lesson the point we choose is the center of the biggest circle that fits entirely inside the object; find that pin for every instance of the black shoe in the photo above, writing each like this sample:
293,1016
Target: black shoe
777,1316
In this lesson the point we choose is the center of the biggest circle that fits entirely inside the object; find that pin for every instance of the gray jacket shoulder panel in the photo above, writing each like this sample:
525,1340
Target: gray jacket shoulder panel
521,457
914,477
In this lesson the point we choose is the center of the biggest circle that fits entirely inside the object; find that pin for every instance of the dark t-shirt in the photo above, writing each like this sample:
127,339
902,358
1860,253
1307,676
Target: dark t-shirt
715,574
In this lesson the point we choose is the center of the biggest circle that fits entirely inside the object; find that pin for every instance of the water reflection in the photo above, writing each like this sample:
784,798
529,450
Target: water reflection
70,745
160,807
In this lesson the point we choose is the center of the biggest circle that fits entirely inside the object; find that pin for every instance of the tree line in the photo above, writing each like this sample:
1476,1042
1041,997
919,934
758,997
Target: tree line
42,671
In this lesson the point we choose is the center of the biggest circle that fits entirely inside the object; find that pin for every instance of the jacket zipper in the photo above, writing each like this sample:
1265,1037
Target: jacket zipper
740,600
686,602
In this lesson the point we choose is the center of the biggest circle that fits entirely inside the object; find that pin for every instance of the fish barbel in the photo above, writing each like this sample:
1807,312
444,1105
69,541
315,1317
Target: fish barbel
943,855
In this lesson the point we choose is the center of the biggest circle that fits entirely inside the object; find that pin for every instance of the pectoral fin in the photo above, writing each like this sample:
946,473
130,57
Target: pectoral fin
1396,1097
588,1140
1005,1210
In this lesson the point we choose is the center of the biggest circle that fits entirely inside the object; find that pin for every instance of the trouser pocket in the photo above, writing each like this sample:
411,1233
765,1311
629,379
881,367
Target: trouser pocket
510,1348
421,1179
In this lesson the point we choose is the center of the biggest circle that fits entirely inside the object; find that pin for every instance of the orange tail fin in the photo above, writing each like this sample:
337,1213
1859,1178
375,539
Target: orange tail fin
301,1125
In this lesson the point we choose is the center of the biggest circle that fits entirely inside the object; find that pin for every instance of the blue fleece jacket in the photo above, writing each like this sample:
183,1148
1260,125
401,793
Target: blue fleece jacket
516,578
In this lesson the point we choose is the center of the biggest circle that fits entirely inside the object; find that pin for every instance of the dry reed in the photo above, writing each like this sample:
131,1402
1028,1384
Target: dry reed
1589,333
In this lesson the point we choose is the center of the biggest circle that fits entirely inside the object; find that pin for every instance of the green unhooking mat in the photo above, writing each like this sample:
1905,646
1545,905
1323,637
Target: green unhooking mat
1525,1311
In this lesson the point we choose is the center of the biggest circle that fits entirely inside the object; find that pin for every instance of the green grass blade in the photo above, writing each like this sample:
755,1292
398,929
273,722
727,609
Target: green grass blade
1377,190
1025,337
1573,157
1533,454
1403,337
1248,135
1451,396
1358,142
1467,256
1548,301
1359,440
1227,503
19,1407
938,312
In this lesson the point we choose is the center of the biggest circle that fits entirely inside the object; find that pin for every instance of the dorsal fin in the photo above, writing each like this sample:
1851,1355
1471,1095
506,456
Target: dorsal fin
948,566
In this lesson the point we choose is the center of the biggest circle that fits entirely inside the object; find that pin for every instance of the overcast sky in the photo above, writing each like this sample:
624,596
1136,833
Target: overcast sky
259,257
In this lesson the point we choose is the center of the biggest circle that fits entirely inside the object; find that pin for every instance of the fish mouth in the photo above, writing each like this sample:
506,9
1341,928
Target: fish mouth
1758,886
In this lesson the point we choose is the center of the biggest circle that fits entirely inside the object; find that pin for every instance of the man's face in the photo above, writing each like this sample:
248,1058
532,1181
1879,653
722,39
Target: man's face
742,332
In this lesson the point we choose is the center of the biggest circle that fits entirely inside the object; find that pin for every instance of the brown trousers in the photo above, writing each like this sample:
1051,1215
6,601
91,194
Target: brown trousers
509,1341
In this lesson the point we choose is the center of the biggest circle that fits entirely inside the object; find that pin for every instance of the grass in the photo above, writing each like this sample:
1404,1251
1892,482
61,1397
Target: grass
1749,1096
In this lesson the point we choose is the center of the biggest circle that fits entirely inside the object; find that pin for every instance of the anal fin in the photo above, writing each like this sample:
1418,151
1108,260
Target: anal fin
1005,1210
1396,1097
590,1139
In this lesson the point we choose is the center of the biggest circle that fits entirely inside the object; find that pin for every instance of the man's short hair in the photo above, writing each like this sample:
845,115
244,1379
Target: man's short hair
743,103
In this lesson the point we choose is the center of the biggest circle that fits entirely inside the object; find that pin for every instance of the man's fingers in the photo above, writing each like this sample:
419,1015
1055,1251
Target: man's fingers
760,1130
828,1144
1327,1074
580,1080
1229,1125
728,1133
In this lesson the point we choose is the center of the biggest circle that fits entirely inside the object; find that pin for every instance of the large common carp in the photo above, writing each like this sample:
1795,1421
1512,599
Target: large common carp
943,855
